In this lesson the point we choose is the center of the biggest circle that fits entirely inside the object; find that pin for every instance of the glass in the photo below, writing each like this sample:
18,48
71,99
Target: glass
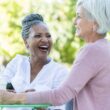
33,106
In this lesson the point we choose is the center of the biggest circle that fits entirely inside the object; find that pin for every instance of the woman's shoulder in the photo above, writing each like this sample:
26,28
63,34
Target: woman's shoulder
98,45
93,47
19,57
97,49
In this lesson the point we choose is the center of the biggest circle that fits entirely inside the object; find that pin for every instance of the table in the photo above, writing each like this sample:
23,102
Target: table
27,106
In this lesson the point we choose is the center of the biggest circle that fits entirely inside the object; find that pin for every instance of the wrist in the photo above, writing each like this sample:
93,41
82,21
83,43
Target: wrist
20,98
12,98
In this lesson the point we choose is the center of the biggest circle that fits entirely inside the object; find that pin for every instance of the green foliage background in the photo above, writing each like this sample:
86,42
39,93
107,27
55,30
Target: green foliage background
58,14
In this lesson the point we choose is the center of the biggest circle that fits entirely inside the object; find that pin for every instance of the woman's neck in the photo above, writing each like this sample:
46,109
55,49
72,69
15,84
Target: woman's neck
94,38
36,66
37,61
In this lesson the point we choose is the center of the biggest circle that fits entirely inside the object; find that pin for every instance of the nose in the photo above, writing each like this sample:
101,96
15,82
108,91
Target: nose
44,39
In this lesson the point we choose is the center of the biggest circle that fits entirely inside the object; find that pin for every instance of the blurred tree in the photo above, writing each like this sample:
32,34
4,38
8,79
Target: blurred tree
10,38
58,15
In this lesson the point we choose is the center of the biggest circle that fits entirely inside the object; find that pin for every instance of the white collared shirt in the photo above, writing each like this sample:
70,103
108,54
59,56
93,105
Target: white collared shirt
18,73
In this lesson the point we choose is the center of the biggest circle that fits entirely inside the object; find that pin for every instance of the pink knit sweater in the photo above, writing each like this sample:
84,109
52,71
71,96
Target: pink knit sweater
88,83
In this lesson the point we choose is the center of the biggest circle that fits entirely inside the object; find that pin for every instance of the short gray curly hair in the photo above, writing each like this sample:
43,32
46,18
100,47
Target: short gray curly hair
100,11
28,21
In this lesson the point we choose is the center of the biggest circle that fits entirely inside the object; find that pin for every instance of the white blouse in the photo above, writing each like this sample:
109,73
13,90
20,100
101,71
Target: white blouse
18,73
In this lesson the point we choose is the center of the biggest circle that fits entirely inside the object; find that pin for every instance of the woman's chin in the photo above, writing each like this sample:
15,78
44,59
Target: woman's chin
79,35
43,56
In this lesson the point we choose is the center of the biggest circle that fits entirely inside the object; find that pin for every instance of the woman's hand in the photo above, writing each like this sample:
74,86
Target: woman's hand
30,90
11,90
1,94
11,98
4,96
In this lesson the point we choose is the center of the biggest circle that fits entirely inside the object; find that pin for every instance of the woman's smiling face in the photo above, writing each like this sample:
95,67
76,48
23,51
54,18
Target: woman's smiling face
39,42
84,27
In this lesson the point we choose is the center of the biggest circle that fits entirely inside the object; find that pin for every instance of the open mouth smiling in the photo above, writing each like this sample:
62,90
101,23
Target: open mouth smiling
44,48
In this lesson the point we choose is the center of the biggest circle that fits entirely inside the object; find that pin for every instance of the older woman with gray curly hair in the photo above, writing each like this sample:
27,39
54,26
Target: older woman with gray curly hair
89,81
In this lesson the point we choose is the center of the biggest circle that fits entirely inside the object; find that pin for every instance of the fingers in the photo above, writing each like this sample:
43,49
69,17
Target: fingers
11,98
30,90
11,90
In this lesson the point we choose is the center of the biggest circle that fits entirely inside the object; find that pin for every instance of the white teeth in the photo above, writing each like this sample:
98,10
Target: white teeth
44,46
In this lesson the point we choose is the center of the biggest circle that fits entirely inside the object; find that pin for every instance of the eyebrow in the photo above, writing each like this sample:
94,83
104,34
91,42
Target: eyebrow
41,33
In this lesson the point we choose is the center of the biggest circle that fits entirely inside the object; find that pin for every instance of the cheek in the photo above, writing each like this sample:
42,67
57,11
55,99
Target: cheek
89,28
81,24
51,43
33,44
85,26
50,46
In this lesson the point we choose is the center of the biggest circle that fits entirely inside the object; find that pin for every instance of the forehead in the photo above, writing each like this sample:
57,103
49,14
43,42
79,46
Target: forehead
41,27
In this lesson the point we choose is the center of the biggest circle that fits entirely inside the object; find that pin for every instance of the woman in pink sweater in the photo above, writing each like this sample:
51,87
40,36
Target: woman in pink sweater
89,81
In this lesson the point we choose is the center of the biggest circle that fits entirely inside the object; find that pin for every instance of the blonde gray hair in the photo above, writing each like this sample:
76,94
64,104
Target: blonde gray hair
98,10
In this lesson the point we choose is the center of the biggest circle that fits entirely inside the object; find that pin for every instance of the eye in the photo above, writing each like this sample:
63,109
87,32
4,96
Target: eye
48,36
37,36
78,16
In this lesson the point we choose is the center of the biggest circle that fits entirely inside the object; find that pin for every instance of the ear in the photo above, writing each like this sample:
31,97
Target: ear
26,43
95,26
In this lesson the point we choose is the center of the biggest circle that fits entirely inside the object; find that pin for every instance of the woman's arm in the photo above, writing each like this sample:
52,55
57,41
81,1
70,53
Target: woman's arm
87,65
12,98
85,68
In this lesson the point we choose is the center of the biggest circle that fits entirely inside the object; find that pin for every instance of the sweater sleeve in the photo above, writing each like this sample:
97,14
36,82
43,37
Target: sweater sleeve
85,67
